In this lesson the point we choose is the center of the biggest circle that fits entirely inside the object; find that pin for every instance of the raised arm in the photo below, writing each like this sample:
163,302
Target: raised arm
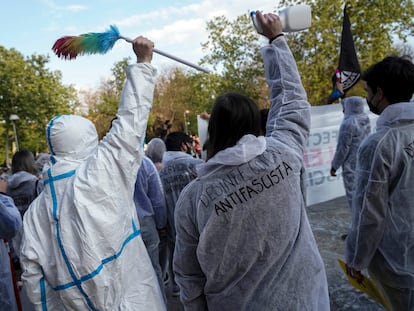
120,148
289,115
136,99
346,132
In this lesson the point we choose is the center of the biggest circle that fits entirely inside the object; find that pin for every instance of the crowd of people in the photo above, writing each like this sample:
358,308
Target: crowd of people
105,225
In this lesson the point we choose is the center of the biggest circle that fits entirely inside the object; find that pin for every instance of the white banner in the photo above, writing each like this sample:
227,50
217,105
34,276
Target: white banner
202,134
323,137
321,186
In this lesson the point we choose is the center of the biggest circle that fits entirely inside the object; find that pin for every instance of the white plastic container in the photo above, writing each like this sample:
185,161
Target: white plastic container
294,18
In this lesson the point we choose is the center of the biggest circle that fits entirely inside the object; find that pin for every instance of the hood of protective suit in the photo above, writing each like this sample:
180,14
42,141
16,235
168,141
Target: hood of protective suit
396,114
71,137
156,149
248,147
353,105
17,179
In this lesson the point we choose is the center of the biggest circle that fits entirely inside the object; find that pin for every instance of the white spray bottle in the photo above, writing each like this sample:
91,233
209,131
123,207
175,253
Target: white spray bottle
294,18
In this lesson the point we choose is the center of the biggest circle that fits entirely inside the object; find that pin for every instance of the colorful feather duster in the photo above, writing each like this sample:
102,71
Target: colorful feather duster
69,47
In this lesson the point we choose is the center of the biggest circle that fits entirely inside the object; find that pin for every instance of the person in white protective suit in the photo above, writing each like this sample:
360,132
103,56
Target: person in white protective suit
82,247
354,128
381,238
243,237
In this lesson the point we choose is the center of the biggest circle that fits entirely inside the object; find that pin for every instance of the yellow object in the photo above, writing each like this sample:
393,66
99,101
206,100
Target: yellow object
367,286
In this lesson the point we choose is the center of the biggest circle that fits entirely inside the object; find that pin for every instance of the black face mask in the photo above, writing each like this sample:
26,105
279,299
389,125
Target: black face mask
188,148
372,108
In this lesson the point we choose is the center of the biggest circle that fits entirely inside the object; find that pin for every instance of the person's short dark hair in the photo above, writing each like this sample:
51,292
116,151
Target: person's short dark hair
24,160
233,116
264,113
394,75
174,141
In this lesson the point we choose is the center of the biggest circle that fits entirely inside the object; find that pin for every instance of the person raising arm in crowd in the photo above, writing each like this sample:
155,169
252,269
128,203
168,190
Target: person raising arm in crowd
243,240
82,247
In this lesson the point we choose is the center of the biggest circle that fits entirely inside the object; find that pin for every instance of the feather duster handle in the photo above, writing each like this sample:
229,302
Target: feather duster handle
180,60
69,47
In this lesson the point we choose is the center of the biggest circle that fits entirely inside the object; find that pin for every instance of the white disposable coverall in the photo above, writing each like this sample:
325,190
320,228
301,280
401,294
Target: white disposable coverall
354,128
243,237
382,233
82,248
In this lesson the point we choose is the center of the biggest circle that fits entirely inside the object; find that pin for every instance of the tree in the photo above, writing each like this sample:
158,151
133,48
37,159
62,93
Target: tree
234,47
177,92
234,54
103,103
374,25
173,96
35,94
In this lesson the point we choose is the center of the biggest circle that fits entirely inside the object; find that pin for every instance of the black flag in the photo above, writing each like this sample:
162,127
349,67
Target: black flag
348,72
348,60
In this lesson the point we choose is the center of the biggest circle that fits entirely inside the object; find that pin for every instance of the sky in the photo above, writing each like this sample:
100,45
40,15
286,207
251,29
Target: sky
177,27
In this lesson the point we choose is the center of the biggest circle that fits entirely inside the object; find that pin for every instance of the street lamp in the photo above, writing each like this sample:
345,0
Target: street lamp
13,118
185,121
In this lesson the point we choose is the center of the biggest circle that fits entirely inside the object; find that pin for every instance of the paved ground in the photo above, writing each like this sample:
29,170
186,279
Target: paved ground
329,220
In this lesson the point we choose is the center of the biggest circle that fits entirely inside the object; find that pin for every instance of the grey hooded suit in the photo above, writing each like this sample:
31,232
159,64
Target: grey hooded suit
354,128
243,237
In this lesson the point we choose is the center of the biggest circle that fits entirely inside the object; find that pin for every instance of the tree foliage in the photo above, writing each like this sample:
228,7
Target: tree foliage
177,92
35,94
374,24
234,52
103,103
233,45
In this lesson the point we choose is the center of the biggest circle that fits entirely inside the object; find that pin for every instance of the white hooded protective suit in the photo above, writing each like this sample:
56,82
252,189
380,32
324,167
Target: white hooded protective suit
243,237
354,128
82,248
382,233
